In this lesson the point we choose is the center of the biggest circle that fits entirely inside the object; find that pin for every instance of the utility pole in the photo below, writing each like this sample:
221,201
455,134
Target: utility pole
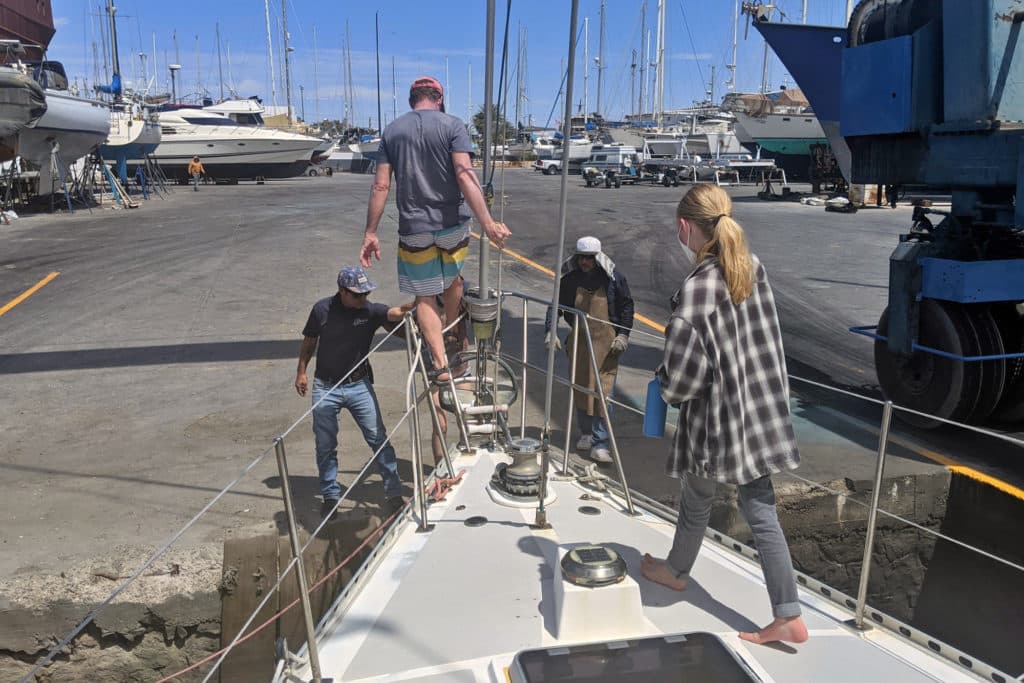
287,62
600,59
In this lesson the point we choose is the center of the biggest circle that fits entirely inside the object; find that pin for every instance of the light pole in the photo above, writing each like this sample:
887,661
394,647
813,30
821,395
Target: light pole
302,102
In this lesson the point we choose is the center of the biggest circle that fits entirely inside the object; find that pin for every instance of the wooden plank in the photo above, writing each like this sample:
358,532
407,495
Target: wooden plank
250,569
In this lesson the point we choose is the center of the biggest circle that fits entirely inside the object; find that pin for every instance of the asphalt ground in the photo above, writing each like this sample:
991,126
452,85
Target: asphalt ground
159,361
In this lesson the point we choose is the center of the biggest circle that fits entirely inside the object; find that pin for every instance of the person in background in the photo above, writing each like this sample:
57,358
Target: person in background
195,169
591,283
436,188
724,367
340,330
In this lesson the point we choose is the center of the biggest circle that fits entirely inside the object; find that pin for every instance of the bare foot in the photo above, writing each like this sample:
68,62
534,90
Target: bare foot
786,629
658,571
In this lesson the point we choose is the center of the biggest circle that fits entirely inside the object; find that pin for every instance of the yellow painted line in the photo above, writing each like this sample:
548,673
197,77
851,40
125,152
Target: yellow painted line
1008,489
27,293
523,259
949,463
550,273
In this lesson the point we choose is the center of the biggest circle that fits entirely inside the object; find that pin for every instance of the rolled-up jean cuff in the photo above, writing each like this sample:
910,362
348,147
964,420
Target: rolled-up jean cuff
676,572
786,610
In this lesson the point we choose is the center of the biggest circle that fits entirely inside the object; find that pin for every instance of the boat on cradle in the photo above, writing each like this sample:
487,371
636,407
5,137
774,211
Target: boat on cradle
22,102
134,134
71,127
552,147
778,124
228,151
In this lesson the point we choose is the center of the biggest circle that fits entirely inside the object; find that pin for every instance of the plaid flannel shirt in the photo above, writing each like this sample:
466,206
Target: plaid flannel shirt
725,368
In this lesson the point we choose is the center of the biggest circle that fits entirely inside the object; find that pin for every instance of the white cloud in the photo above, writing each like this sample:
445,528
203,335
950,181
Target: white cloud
60,21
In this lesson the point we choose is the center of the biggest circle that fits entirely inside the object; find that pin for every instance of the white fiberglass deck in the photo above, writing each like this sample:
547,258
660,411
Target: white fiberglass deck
457,603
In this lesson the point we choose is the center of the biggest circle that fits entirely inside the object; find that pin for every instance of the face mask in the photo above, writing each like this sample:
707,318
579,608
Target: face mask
689,255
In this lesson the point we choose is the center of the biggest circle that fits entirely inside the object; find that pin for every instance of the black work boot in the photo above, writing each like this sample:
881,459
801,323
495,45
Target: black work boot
329,509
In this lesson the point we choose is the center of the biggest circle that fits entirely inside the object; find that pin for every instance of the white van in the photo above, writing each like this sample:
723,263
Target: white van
614,157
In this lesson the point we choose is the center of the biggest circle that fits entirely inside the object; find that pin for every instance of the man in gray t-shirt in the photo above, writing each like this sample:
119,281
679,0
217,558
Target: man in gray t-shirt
429,153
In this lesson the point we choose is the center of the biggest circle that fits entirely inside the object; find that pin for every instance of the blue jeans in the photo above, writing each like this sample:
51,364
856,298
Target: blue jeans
757,503
195,182
360,401
594,425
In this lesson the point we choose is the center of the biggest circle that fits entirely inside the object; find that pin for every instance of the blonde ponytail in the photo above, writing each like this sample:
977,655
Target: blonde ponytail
710,209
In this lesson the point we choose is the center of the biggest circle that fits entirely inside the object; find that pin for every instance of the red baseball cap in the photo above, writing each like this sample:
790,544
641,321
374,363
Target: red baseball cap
427,82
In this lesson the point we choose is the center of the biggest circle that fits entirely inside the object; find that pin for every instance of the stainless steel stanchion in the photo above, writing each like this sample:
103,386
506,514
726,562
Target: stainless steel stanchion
572,385
869,541
300,569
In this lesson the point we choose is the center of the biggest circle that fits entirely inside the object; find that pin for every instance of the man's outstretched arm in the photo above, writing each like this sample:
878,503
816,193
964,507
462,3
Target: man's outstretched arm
474,194
374,212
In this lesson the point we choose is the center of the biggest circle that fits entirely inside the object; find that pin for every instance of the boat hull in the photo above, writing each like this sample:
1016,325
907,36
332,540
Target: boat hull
77,125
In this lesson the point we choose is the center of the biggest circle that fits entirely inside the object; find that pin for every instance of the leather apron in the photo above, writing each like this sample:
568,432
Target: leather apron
595,304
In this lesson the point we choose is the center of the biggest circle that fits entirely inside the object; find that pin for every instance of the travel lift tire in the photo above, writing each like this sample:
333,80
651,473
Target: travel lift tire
949,388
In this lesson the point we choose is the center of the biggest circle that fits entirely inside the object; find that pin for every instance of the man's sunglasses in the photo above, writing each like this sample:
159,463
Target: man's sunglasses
359,295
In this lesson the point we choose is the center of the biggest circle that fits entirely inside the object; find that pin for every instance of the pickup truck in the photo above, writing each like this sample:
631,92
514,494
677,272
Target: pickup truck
548,166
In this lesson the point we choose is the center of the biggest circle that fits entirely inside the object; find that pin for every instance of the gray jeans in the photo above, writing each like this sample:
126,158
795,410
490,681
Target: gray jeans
757,502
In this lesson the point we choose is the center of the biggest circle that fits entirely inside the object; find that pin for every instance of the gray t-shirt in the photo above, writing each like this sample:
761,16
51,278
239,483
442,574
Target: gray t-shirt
419,147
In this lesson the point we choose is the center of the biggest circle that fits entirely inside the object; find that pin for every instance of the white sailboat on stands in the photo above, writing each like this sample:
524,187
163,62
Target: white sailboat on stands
134,129
528,571
72,127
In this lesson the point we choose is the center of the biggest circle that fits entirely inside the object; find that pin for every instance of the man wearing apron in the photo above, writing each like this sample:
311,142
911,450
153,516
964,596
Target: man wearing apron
591,283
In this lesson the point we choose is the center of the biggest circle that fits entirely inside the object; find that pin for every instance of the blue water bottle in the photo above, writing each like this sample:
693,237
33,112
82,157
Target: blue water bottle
654,411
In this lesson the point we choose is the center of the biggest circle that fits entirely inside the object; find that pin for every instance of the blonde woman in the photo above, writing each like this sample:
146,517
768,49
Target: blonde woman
725,368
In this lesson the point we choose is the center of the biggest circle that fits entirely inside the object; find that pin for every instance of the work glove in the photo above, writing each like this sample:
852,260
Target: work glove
619,344
552,338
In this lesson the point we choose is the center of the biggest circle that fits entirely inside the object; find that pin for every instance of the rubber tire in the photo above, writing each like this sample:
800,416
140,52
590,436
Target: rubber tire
549,170
313,173
665,180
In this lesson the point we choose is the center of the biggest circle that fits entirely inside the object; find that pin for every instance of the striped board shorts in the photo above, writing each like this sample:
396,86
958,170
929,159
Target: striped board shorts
428,262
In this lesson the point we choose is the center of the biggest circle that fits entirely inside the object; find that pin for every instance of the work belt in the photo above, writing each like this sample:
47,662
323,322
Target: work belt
357,375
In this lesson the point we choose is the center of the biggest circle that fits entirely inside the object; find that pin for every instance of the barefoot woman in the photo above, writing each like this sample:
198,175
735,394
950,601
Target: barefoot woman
724,367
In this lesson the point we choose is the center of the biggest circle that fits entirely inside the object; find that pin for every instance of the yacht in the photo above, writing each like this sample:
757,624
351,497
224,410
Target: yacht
229,150
72,126
134,134
244,112
551,147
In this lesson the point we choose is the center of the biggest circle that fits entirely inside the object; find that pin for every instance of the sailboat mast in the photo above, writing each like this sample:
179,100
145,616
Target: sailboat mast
803,13
116,80
660,69
376,33
316,78
645,56
270,52
519,71
348,76
488,137
394,90
220,64
731,85
287,61
586,77
600,59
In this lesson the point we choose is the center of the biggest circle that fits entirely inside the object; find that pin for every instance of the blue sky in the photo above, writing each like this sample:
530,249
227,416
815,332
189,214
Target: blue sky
418,36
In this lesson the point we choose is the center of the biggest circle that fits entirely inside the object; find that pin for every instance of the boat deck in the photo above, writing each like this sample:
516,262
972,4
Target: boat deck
457,603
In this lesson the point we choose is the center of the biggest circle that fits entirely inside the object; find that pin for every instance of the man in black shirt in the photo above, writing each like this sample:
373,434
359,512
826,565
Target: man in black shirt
340,329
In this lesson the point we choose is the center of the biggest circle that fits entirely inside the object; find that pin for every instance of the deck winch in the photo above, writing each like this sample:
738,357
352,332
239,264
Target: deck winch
521,478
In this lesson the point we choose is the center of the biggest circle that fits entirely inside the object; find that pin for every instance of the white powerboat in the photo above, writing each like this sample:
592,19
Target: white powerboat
71,127
244,112
228,150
